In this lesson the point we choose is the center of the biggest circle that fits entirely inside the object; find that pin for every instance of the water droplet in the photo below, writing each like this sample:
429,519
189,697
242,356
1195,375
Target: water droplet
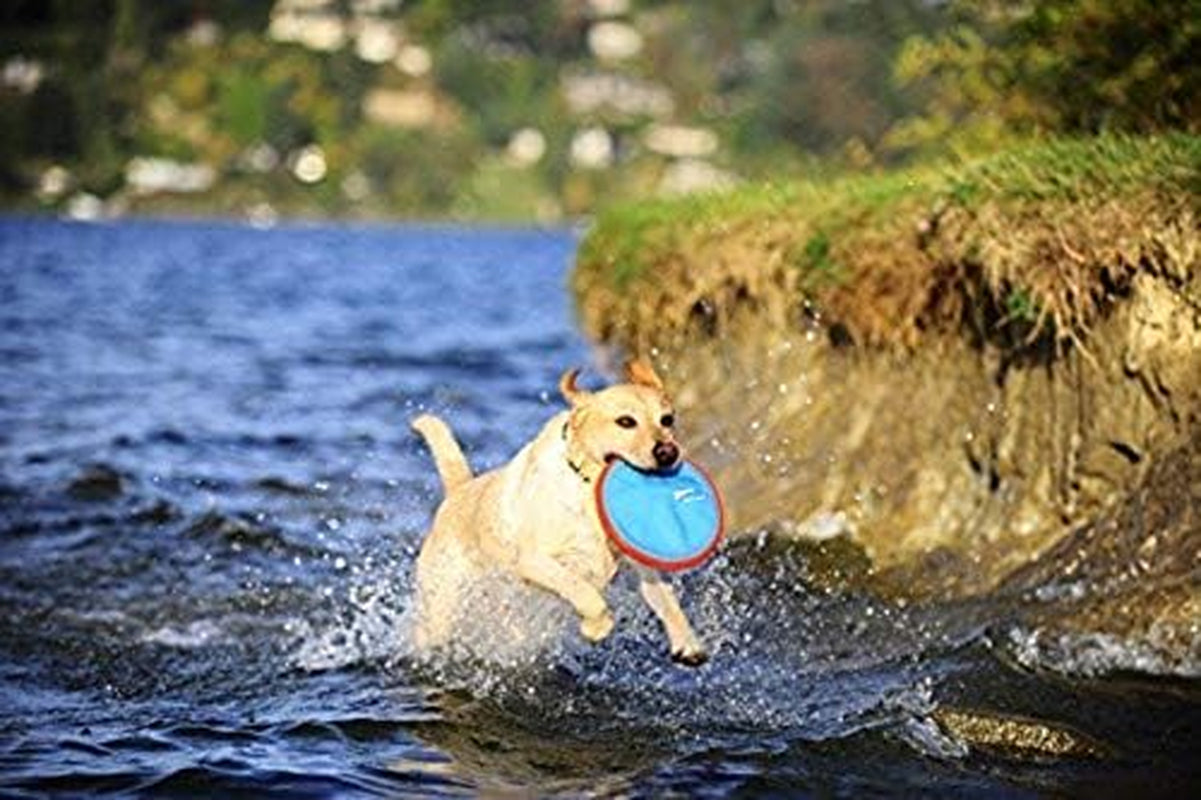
339,563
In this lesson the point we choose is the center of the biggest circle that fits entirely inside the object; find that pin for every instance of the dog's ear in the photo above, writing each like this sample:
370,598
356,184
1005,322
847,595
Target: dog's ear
571,392
641,373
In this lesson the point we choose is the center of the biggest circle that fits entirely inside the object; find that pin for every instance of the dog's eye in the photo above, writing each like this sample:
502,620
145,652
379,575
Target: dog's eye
667,420
627,421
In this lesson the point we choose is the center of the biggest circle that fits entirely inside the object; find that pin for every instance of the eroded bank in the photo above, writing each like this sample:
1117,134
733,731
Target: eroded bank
975,379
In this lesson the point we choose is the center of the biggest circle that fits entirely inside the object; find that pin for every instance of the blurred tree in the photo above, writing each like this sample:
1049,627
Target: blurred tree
822,78
417,172
505,91
1079,66
94,53
545,27
217,100
786,85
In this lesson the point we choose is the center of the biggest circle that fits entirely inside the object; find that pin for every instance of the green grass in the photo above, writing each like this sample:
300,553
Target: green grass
1073,169
628,238
851,230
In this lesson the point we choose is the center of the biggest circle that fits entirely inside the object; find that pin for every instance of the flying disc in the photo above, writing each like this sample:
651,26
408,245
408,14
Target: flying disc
669,520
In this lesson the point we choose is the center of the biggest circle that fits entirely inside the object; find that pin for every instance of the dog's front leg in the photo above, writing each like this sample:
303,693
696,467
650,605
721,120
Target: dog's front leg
542,570
686,648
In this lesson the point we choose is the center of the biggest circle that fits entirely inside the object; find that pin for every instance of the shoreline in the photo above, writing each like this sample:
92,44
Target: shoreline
944,384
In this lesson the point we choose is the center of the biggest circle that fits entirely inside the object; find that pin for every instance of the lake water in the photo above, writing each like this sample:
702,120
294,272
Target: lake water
209,507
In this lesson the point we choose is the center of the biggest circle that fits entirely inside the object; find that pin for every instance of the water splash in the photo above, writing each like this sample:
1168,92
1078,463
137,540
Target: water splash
371,623
1095,654
784,657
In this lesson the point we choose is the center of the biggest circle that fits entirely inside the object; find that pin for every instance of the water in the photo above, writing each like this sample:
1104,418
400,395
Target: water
209,507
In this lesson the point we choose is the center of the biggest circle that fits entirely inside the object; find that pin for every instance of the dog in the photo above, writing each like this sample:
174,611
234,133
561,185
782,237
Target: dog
535,517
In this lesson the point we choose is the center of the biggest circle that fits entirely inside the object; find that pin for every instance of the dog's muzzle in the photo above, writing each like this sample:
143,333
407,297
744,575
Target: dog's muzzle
666,454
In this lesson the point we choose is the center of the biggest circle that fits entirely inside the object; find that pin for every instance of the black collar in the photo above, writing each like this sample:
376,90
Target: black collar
576,468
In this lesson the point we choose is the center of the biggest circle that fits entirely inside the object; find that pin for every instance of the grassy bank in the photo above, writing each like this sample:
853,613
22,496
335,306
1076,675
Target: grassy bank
1025,246
952,375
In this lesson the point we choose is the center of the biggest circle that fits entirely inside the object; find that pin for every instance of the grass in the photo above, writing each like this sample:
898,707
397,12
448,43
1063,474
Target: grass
1036,240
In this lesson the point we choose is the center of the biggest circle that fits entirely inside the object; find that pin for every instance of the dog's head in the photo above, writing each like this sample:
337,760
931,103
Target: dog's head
633,421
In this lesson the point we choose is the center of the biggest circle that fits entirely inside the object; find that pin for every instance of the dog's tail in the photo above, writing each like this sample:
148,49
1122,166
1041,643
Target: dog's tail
448,456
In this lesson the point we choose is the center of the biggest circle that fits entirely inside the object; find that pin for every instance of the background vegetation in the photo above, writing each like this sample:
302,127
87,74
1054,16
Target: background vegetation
550,108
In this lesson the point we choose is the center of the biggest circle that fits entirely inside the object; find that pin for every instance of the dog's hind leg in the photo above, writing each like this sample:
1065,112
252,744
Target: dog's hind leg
431,631
443,575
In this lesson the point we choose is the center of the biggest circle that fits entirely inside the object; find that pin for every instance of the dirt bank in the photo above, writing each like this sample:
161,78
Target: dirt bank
961,370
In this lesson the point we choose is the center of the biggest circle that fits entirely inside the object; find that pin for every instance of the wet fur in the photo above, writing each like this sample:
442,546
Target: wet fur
534,518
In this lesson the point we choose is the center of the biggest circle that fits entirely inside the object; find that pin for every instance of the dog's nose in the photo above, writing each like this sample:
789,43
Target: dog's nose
665,453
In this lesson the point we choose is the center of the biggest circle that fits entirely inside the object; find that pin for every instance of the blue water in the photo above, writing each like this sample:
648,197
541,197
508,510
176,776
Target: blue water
209,507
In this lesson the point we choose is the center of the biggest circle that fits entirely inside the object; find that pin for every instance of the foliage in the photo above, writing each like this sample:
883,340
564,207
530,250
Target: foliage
527,83
537,27
792,90
1014,69
222,99
830,78
499,192
419,173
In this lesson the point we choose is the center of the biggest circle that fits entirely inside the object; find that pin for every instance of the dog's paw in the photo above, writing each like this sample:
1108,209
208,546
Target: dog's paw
689,657
596,628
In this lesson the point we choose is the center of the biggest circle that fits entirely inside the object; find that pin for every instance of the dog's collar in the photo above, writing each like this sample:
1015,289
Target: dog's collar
578,469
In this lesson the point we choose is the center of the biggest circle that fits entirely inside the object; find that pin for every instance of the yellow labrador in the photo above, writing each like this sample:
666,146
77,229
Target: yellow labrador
535,517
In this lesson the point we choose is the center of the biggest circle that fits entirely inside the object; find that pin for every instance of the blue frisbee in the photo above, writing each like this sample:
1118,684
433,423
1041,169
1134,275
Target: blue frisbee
671,520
